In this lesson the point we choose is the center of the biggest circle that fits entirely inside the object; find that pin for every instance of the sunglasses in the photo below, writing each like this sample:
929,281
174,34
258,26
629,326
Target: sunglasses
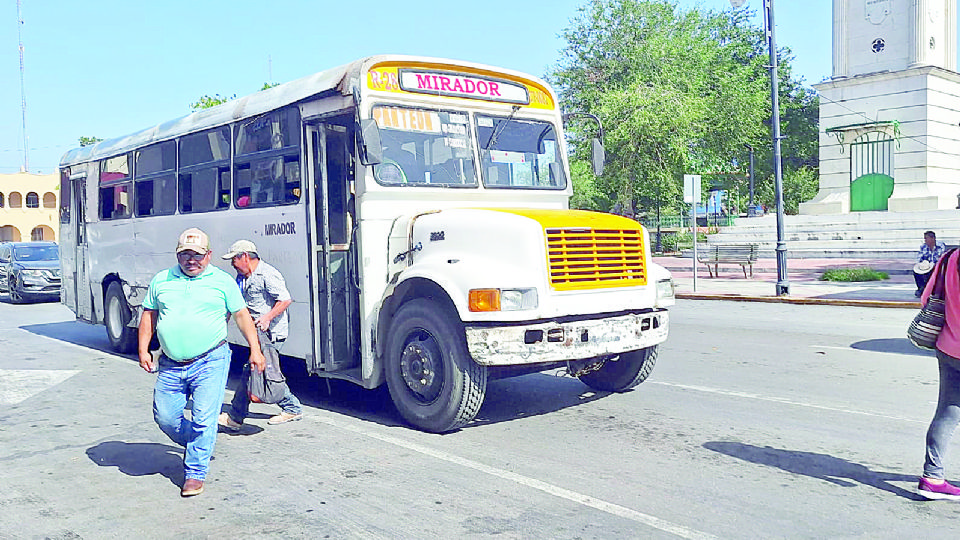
190,255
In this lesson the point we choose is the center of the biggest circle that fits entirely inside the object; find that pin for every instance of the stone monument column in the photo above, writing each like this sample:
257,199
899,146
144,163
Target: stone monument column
889,115
917,23
839,42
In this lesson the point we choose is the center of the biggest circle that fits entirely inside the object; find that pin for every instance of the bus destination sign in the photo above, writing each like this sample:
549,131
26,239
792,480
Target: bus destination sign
458,85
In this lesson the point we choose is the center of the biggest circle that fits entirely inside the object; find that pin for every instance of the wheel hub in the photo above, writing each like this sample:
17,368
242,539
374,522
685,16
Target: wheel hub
420,366
114,318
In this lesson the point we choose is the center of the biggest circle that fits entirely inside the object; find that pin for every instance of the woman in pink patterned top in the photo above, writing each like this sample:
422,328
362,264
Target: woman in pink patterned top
933,485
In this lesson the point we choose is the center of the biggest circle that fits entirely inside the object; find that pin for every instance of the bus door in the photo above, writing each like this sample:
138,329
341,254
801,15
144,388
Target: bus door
81,285
335,303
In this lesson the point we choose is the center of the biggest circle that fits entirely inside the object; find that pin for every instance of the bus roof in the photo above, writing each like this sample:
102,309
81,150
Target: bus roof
247,106
344,79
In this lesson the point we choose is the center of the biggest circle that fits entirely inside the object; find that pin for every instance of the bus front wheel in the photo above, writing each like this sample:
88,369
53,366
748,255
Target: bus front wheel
122,338
434,383
622,374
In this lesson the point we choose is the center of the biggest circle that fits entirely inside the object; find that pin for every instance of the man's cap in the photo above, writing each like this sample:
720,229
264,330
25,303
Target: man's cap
923,267
238,247
194,239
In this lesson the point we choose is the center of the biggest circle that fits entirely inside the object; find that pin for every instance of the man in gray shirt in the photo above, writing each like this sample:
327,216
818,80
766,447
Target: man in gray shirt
265,292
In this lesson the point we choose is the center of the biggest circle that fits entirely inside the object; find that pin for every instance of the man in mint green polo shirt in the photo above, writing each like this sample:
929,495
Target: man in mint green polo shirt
188,305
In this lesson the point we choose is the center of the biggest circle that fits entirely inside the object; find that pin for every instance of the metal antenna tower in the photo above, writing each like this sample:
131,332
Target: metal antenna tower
23,92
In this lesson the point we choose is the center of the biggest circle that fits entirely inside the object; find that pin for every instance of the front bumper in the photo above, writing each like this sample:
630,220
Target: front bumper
38,287
560,341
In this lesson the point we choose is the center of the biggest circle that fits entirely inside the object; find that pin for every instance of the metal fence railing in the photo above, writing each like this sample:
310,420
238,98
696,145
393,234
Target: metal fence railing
674,222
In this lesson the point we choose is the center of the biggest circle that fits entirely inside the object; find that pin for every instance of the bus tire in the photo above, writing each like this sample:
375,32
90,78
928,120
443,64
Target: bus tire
434,383
122,338
624,373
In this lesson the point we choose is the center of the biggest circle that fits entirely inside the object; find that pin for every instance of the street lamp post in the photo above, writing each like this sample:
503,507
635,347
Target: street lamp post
783,284
750,210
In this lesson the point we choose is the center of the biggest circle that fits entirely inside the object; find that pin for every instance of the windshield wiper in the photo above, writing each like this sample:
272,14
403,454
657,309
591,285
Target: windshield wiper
499,129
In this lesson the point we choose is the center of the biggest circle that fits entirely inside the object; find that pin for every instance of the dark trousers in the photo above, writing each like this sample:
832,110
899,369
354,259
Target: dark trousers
921,280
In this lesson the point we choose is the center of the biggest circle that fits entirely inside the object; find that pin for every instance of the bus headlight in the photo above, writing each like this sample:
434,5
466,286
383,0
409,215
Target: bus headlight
665,289
502,299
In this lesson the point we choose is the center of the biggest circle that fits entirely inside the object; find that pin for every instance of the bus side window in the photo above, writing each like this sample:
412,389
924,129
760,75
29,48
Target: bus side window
65,195
115,187
267,160
156,196
201,190
203,184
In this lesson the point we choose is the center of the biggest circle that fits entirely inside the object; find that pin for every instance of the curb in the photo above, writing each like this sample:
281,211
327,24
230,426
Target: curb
773,270
800,300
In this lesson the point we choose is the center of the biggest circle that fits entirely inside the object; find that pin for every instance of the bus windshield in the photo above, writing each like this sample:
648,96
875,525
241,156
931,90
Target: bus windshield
423,147
519,153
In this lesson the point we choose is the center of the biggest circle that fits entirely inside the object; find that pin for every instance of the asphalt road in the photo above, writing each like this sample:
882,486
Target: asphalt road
760,421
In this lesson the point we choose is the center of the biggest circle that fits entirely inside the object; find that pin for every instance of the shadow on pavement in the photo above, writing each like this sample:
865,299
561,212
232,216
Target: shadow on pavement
78,333
505,399
824,467
140,459
891,345
532,395
321,393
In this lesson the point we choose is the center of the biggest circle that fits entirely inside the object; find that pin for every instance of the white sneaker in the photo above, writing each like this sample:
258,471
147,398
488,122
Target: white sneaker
228,423
283,418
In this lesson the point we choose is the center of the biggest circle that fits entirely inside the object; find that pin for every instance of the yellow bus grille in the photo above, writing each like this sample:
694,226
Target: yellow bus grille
595,258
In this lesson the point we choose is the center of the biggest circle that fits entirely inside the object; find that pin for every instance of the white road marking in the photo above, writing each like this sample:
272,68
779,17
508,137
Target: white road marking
785,401
573,496
835,348
17,385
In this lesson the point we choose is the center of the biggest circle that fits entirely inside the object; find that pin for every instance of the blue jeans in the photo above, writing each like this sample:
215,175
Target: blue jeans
240,404
946,418
202,381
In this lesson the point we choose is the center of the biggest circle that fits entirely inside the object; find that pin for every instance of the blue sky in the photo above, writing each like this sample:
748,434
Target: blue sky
109,67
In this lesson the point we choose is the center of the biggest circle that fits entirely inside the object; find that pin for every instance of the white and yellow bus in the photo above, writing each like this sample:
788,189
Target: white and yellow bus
418,209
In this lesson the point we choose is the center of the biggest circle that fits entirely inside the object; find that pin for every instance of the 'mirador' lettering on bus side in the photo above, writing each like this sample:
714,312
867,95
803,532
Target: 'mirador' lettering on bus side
274,229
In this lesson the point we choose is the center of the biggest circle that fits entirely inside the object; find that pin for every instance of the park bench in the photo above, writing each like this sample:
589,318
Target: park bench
716,254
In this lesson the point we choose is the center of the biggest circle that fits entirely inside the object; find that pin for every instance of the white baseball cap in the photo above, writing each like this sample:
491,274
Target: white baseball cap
238,247
194,239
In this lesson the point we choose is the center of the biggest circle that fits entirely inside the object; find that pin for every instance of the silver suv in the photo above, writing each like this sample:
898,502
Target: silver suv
30,270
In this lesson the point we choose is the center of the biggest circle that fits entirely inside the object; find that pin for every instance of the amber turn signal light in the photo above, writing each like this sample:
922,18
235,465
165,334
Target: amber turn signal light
484,300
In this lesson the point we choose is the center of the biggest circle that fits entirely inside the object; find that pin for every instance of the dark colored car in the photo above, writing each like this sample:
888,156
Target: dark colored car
30,270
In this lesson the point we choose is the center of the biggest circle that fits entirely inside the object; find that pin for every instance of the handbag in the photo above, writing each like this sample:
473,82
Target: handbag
269,385
927,325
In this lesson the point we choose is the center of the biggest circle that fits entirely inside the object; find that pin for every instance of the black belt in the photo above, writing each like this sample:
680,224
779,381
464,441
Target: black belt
201,355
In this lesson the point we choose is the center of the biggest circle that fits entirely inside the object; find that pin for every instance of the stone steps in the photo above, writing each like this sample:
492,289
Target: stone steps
860,235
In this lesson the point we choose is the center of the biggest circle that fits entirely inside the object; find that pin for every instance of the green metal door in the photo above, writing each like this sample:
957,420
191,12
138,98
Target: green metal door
871,172
870,192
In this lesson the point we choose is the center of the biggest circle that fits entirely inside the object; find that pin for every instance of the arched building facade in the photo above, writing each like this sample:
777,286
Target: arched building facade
29,206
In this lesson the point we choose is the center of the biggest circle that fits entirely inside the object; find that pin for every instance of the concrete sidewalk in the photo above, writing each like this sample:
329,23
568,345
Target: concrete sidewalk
803,277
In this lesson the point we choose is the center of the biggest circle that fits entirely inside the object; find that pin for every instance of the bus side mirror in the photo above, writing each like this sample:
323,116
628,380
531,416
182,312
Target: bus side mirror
597,156
371,153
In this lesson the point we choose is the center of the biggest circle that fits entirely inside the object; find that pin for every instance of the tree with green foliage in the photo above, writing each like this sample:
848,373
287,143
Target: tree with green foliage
206,101
87,141
678,92
586,194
